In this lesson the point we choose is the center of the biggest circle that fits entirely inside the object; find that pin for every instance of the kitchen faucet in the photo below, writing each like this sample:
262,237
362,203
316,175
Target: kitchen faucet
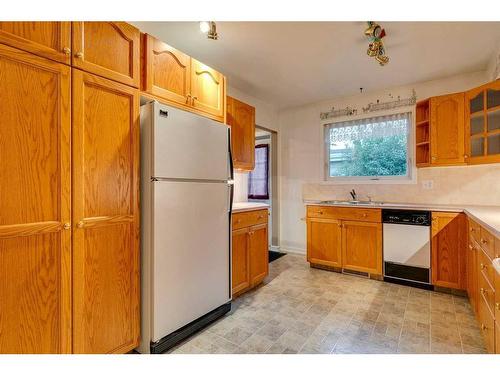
353,195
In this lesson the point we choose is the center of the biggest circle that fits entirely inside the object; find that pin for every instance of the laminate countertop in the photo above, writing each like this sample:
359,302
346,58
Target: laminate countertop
487,216
249,206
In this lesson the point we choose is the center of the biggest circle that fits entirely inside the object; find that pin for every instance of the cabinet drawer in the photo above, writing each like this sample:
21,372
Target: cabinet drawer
487,324
474,231
485,267
487,242
345,213
497,337
249,218
486,290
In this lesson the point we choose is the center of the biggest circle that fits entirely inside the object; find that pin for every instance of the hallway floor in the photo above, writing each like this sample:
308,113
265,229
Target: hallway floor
304,310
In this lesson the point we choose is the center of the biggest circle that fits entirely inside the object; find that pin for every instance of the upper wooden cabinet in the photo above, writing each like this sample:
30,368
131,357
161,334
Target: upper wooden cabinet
449,250
447,134
241,118
208,92
108,49
167,72
106,279
47,39
35,222
482,115
176,78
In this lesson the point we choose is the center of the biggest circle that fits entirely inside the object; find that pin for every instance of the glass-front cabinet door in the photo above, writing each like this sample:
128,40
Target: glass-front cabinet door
483,123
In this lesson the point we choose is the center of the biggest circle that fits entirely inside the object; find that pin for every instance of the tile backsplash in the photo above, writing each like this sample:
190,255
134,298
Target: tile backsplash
474,185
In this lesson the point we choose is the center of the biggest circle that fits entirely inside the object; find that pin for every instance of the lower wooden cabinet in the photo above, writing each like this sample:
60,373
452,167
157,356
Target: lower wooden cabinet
487,325
324,242
250,250
472,283
449,250
362,246
347,238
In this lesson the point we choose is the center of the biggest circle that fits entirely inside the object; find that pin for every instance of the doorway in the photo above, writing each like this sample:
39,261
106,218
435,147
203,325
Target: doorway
266,162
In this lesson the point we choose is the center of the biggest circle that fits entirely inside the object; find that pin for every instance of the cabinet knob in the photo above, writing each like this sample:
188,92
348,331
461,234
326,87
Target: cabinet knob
67,226
195,98
482,290
79,55
472,229
484,241
497,305
320,212
66,50
238,221
365,215
433,158
482,266
80,224
470,247
483,327
188,97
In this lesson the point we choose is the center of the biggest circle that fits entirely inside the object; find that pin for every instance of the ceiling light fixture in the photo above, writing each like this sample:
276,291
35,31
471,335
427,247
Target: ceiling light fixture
209,28
376,48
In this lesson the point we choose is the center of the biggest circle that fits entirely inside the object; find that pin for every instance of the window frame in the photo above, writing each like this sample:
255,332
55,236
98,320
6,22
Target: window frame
410,178
261,197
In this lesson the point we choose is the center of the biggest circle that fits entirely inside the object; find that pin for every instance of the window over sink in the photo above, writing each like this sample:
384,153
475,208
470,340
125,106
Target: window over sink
369,149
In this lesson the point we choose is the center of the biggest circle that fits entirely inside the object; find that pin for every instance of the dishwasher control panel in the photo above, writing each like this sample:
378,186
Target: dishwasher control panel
408,217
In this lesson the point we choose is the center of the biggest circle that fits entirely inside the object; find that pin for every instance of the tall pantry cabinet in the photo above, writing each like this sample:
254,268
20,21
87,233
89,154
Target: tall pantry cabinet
69,196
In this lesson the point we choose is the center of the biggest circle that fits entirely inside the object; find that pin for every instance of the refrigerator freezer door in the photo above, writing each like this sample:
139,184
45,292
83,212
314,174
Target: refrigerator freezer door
191,265
188,146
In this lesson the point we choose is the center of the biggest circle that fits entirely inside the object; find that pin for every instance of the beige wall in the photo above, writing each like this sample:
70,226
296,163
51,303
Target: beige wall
302,172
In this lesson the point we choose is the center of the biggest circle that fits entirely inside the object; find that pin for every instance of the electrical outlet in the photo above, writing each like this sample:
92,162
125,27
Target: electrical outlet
428,184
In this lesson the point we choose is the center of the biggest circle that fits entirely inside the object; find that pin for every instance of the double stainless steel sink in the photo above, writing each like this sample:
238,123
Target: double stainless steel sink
354,203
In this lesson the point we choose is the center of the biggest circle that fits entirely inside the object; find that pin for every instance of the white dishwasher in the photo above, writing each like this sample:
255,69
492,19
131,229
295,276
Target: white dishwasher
407,247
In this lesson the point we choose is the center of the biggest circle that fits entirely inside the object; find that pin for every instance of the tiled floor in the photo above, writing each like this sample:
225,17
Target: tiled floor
305,310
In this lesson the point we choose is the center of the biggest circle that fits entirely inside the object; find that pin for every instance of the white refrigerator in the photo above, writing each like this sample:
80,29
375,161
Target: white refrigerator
186,201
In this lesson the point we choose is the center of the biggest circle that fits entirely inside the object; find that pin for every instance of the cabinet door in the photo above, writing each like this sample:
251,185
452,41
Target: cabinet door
241,117
105,212
167,72
448,250
362,246
447,129
324,245
35,235
240,260
47,39
108,49
259,253
208,90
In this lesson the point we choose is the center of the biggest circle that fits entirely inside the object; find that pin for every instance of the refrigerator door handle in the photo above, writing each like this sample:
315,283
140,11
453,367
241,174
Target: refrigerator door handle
231,197
230,155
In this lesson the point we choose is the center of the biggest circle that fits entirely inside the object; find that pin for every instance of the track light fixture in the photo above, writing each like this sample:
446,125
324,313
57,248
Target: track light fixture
209,28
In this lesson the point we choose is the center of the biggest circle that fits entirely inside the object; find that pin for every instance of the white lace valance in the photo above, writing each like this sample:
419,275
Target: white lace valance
374,127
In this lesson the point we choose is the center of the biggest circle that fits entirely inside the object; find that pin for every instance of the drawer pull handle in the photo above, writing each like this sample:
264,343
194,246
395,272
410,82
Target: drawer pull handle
483,291
472,230
482,266
238,221
484,241
497,305
365,215
320,212
260,217
483,327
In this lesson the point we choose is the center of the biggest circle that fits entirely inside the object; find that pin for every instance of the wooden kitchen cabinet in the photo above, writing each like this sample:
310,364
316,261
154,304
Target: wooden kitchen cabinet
106,279
344,237
324,242
35,203
176,78
448,250
362,246
208,89
471,273
241,117
447,130
259,253
46,39
240,260
482,120
250,250
167,71
108,49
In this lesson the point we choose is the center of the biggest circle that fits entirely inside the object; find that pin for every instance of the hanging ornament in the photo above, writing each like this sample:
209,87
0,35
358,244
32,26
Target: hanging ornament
376,49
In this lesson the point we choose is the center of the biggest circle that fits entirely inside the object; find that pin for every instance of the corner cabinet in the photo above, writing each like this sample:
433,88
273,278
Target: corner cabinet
176,78
106,275
250,250
107,49
241,118
447,134
482,113
345,238
448,250
51,40
35,208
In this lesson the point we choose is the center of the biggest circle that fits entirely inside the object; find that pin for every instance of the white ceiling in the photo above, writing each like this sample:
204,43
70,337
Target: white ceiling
294,63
